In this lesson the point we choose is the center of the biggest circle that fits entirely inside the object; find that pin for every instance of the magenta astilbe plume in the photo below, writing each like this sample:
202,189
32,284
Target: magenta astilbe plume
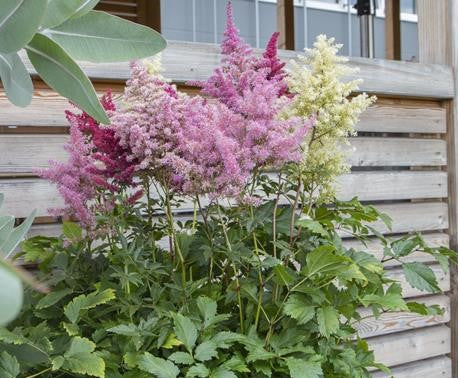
255,87
181,141
96,163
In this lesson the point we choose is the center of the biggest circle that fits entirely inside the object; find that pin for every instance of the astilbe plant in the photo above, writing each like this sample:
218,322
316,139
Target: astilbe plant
269,290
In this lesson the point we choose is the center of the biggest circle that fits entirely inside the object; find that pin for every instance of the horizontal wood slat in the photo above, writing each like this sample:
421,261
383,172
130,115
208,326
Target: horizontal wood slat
403,119
439,367
394,322
401,348
33,151
370,186
400,118
185,61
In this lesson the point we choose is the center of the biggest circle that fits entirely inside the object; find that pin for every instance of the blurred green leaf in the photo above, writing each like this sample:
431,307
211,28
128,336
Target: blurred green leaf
101,37
19,21
61,73
15,79
16,236
11,295
9,366
59,11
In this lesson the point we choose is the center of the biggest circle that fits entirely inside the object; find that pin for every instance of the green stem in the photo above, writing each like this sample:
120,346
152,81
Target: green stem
238,288
39,373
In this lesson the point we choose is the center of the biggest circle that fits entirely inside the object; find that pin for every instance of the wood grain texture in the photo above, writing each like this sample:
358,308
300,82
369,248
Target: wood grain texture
405,347
22,154
394,322
367,186
438,367
185,61
403,119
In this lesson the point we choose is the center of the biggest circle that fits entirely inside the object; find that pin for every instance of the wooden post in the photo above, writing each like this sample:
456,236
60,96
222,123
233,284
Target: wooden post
438,43
149,13
285,24
393,29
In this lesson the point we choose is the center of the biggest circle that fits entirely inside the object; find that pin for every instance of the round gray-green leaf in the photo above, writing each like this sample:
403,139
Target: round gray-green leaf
61,73
61,10
15,79
100,37
10,295
19,21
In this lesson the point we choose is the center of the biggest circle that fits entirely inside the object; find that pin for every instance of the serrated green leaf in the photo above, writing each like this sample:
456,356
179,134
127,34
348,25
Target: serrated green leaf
198,370
158,366
225,339
9,366
422,309
389,301
72,230
313,226
421,277
206,351
9,337
15,79
236,363
71,329
185,330
125,330
207,308
101,37
181,358
131,359
19,21
81,359
171,342
323,260
283,276
222,372
52,298
328,320
57,68
299,368
296,308
59,11
85,302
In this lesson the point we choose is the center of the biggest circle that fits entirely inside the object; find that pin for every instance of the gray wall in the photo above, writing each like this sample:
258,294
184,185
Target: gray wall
177,25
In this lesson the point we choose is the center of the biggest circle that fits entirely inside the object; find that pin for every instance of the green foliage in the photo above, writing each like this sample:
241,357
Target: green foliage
237,292
55,33
11,295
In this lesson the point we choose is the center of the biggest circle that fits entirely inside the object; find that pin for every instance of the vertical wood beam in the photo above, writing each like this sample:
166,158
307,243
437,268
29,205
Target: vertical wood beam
149,13
285,24
393,29
438,43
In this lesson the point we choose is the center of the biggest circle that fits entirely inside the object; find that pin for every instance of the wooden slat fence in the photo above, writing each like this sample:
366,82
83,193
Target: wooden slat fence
399,163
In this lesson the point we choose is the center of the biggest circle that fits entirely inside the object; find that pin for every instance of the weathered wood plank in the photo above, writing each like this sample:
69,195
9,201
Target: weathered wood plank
373,186
403,119
405,347
438,367
373,152
393,30
394,322
367,186
33,151
185,61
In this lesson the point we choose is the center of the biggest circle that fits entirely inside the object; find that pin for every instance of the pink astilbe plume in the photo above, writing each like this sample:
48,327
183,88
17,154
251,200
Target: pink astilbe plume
255,87
96,163
181,141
